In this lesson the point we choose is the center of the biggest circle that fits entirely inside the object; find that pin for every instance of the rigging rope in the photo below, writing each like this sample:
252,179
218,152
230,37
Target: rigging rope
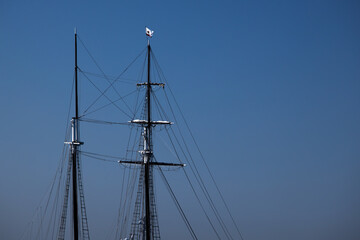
103,122
201,184
102,157
200,181
98,66
106,105
186,221
111,83
111,101
198,148
129,81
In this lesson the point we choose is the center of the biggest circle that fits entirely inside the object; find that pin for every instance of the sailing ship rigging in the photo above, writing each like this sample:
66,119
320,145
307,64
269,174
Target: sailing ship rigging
136,219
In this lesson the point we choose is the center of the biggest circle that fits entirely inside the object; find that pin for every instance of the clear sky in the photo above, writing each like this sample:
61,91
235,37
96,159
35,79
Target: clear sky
271,90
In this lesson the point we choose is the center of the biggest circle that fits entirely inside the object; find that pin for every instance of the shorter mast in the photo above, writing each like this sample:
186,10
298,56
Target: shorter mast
75,175
75,143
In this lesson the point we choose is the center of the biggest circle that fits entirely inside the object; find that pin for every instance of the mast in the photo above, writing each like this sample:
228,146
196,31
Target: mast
74,174
147,155
147,148
74,152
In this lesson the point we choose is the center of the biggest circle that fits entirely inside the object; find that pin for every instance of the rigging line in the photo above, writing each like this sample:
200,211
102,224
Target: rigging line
131,182
112,83
204,190
69,109
132,179
62,161
187,223
201,183
98,66
161,110
198,148
61,230
48,192
104,159
65,156
136,102
122,189
193,189
141,74
52,217
58,203
203,160
139,106
111,232
112,102
202,207
136,107
118,77
126,207
107,104
198,176
103,122
120,97
103,155
84,220
38,235
158,105
129,80
98,158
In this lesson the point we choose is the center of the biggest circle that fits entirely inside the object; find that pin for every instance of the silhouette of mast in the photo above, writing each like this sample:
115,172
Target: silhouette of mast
75,143
147,153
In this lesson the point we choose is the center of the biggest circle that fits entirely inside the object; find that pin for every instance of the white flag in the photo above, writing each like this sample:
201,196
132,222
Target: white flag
149,32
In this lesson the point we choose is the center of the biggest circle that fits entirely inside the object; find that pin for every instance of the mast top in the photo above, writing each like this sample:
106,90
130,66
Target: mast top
75,30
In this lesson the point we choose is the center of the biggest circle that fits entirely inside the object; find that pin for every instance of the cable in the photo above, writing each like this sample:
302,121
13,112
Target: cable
112,102
111,83
186,221
200,182
106,105
198,148
129,81
103,122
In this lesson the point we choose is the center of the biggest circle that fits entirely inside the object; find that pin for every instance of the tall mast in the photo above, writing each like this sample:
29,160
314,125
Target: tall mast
147,148
150,225
74,152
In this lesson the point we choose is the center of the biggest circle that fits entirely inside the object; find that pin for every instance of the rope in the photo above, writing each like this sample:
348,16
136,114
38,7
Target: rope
106,105
103,122
198,149
201,184
102,94
111,83
129,80
186,221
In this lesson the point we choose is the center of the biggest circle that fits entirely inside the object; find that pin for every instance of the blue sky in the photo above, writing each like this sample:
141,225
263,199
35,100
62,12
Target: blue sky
270,89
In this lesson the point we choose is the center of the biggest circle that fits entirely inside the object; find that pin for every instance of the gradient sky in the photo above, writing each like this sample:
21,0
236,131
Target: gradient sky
271,90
